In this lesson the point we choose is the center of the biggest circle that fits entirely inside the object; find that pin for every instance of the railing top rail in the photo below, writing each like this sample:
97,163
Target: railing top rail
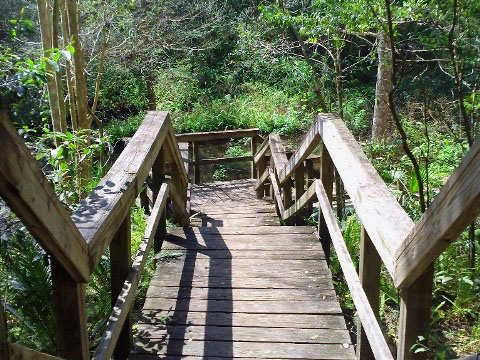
217,135
102,212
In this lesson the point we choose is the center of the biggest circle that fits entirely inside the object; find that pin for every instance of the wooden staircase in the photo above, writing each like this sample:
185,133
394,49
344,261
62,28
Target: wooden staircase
236,284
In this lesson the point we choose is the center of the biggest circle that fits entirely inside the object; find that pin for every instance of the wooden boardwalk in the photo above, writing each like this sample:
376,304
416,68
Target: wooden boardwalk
236,284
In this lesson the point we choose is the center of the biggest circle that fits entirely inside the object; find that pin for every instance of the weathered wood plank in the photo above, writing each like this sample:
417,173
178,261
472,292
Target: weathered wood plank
276,192
291,321
262,150
384,219
69,303
279,153
196,164
260,230
326,177
120,264
223,160
31,197
240,294
19,352
217,135
219,333
302,201
453,209
308,144
274,254
257,221
262,179
126,296
248,349
366,314
98,216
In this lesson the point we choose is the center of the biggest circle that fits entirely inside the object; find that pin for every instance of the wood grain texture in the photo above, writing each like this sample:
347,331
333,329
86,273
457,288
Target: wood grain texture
307,197
30,195
276,192
366,314
384,219
223,160
20,352
217,135
453,209
126,296
279,153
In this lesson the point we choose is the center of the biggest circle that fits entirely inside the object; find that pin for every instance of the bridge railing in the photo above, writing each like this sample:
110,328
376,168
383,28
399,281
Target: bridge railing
76,243
198,139
388,235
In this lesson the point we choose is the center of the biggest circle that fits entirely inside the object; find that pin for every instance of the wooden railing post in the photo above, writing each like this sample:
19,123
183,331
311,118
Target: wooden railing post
261,168
253,146
415,308
181,190
310,178
326,176
299,190
3,333
196,159
369,274
70,314
287,199
158,177
120,264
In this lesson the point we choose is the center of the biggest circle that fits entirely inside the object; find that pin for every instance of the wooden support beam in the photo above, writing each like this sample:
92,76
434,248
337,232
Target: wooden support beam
453,209
124,301
326,177
253,147
415,310
223,160
179,200
367,315
299,191
217,135
306,198
196,162
120,264
19,352
279,153
262,150
308,144
158,178
383,217
3,333
276,192
70,314
369,274
31,197
262,169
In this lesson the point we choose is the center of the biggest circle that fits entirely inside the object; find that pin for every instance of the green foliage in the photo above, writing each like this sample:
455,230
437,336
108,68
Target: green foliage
118,128
220,173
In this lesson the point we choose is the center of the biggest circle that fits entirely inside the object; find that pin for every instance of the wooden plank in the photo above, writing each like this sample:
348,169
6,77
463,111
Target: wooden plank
266,306
179,205
308,144
175,155
303,200
453,209
98,216
125,299
240,294
279,153
158,178
196,164
3,333
19,352
276,192
69,303
246,254
29,194
120,264
369,274
222,160
260,230
214,222
383,217
226,349
299,191
262,151
366,314
326,176
217,135
219,333
253,149
414,320
260,187
304,321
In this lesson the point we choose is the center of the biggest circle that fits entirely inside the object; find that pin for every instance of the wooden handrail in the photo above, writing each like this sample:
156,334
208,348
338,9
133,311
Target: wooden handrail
127,295
217,135
374,333
30,195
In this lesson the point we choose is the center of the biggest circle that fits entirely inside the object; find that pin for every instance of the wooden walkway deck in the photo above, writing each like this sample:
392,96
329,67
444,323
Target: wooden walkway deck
238,285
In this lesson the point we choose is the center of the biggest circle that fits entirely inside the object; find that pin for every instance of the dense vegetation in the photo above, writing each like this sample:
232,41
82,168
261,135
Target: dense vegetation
217,65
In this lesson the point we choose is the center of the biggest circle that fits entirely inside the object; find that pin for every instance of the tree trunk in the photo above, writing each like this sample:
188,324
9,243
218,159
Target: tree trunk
44,15
381,113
